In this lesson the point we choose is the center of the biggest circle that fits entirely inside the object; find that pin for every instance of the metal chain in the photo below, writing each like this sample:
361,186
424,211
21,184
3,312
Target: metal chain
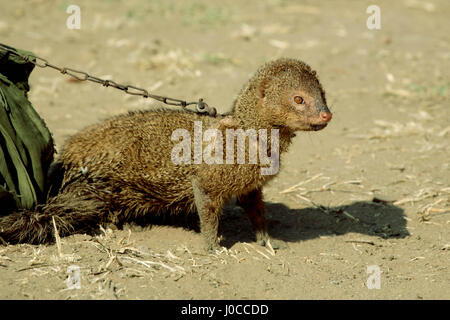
201,106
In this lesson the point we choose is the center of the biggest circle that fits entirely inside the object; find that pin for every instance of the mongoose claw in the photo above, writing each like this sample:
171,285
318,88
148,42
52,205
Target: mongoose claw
262,242
267,242
274,244
212,247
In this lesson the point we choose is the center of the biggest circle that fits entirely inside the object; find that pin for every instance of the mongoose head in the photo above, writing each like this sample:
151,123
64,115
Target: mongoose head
290,95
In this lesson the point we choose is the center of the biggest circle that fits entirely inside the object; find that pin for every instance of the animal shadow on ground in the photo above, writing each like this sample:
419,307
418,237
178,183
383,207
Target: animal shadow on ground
293,225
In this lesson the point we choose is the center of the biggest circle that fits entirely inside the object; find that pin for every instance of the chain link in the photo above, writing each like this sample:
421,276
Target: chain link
201,106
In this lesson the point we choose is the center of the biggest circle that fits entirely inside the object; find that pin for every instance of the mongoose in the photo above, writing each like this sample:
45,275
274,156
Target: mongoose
123,168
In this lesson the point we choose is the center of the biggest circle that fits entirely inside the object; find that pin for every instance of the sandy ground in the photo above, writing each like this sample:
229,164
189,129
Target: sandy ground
388,90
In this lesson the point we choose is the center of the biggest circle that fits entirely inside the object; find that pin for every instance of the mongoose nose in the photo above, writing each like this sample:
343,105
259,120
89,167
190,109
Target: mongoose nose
325,116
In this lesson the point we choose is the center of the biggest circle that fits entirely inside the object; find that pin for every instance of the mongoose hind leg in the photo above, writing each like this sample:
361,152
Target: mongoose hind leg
253,205
208,210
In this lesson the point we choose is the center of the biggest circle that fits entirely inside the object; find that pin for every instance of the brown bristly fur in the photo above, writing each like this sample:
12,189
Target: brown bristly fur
121,169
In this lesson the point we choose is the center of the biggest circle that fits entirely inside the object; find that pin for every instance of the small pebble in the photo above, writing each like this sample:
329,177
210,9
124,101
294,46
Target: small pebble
382,199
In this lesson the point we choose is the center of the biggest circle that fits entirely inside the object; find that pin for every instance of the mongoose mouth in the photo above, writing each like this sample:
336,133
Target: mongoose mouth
317,127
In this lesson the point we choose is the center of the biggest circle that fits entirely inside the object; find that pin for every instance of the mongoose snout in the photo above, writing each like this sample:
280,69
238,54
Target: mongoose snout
324,118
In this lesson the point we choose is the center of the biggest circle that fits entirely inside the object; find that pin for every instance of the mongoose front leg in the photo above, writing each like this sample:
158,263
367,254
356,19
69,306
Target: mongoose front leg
253,205
208,210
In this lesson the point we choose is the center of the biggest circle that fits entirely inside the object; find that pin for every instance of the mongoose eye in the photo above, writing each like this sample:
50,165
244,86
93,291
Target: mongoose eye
299,100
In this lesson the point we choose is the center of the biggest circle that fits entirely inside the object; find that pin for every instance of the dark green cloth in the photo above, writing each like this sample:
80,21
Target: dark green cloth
26,144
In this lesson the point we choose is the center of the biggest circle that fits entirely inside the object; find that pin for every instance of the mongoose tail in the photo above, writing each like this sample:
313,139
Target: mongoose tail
82,215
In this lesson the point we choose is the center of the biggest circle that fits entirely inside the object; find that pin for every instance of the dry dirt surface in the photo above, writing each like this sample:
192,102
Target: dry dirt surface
366,199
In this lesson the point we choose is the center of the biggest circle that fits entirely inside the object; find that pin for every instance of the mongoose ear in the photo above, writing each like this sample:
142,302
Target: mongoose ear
263,85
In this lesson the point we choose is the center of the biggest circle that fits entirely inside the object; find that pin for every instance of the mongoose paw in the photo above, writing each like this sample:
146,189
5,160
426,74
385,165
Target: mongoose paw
212,246
267,242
